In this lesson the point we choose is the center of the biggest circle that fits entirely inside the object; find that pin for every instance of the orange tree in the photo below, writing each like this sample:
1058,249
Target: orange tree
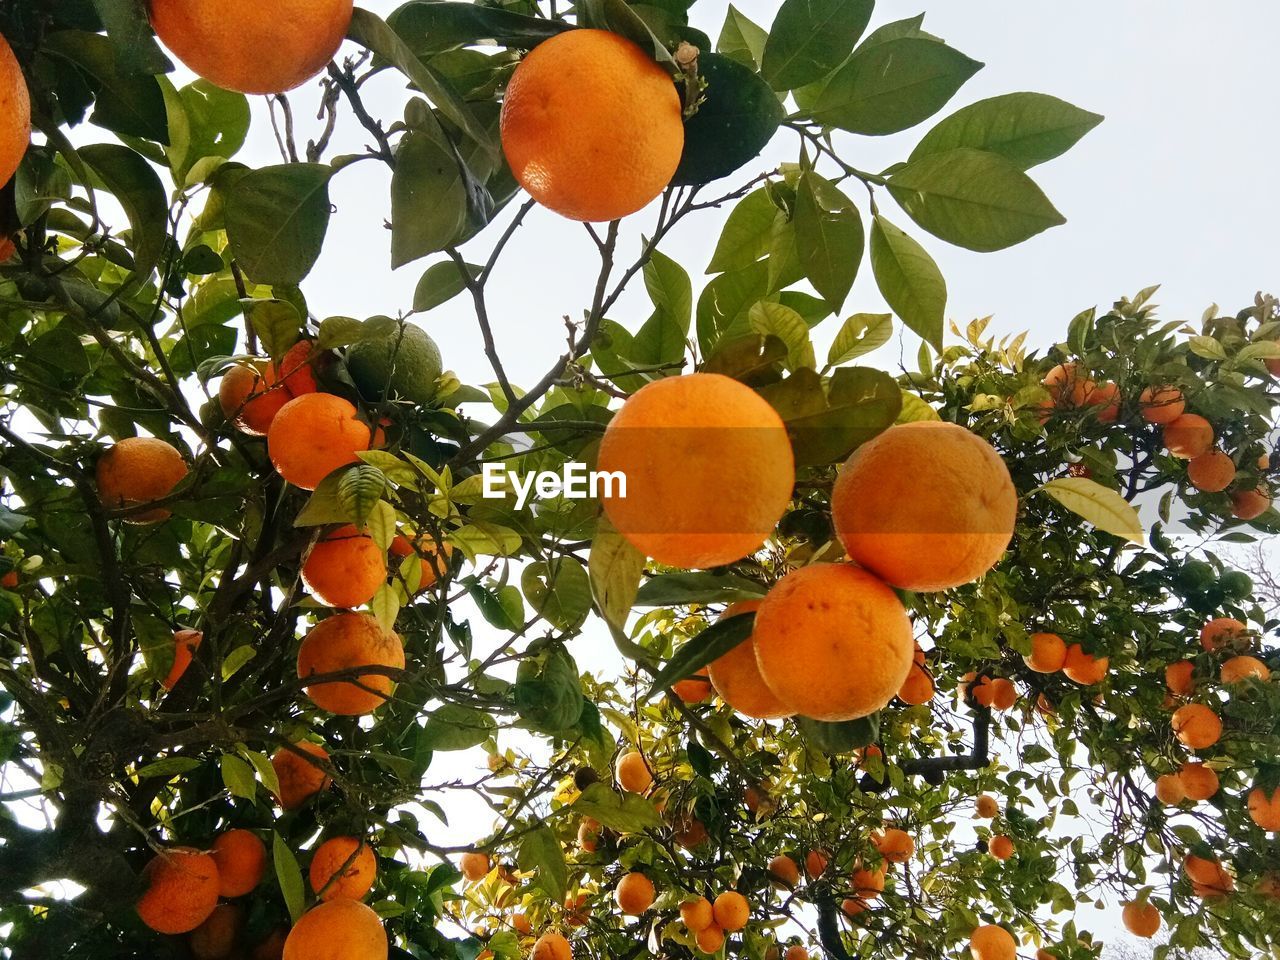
256,583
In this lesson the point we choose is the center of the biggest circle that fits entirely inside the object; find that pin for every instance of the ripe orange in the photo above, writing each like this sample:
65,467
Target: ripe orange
589,835
1250,504
1240,669
1178,677
1208,877
736,674
1162,404
697,914
1141,919
342,642
345,568
1169,790
1211,472
678,441
15,113
852,906
692,689
241,858
925,506
796,952
430,550
345,929
1196,726
987,807
633,772
297,368
139,470
992,943
731,911
1068,385
552,946
474,866
1048,653
1199,782
710,938
1106,397
1003,694
784,869
917,688
815,623
980,689
1084,668
1189,436
895,845
691,833
591,127
185,643
1264,809
815,863
868,883
182,890
1222,633
250,397
300,779
634,894
216,937
1001,847
253,47
520,923
353,882
312,436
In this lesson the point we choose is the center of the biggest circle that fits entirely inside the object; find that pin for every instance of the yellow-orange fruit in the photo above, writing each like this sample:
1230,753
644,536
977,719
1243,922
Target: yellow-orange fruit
990,942
337,930
710,938
250,397
1067,384
297,369
312,436
138,470
731,911
15,114
589,835
182,890
691,833
1239,669
253,47
633,772
241,858
736,675
1189,436
868,883
692,689
677,441
185,643
982,691
341,643
852,906
474,866
1003,694
299,779
796,952
1169,789
1084,668
1199,782
217,936
784,869
552,946
1222,633
1208,877
925,506
1162,404
345,568
434,555
819,620
520,923
1106,397
1048,653
1178,677
1250,504
1196,726
815,863
986,807
1141,919
697,914
1211,472
591,126
326,872
1264,808
634,894
917,688
895,845
1001,847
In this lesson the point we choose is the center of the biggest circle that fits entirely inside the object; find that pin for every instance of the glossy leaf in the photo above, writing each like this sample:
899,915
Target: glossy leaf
1024,128
741,39
276,221
136,186
428,199
1103,507
736,119
810,38
909,280
861,334
829,238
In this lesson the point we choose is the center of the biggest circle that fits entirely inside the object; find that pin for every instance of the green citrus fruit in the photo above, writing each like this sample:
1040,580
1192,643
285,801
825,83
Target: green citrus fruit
401,364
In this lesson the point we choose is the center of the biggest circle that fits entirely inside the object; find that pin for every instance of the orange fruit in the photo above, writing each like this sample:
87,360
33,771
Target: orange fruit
1141,919
677,441
1196,726
1239,669
796,952
1106,397
216,937
297,369
1084,668
633,772
182,890
250,397
710,938
692,689
692,833
1269,884
272,946
736,675
345,568
312,436
1211,472
1003,694
591,126
185,643
253,47
139,470
1001,847
10,580
337,930
1048,653
241,858
552,946
353,882
1199,782
299,779
697,914
917,688
1169,790
7,247
895,845
1188,436
868,883
1208,877
987,807
342,642
815,623
589,835
925,506
815,863
474,866
1222,632
1264,809
1250,504
434,565
1162,404
1068,385
1178,677
982,691
634,894
731,911
990,942
15,114
520,923
852,906
784,869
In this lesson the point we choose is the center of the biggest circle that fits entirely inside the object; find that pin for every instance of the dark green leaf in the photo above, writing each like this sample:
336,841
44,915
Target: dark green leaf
127,26
617,16
753,359
827,421
558,590
829,238
735,121
541,855
431,26
455,727
276,221
133,106
139,191
712,643
428,199
678,589
910,281
810,38
441,283
1024,128
548,695
833,738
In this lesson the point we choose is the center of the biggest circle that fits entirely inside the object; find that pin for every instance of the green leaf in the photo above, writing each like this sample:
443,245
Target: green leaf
725,301
892,85
541,855
168,767
834,738
385,606
455,727
1101,506
238,777
973,199
625,813
236,659
754,359
913,409
441,283
433,26
323,506
616,16
1024,128
662,337
548,695
211,123
502,606
338,332
773,319
909,280
360,487
559,590
829,238
428,198
276,221
289,876
277,324
711,644
134,45
481,538
741,39
266,772
136,186
129,105
747,233
1207,348
861,334
614,567
810,38
703,586
827,421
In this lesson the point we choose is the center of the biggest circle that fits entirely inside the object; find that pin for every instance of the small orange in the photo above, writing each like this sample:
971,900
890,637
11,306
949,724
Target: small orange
785,870
343,642
1003,694
633,772
345,568
1250,504
1001,847
1196,726
182,890
475,866
895,845
1085,668
520,923
1169,789
852,906
1211,472
815,863
139,470
1199,782
697,914
796,952
312,436
1223,633
731,911
552,946
1242,668
710,938
1141,919
434,555
185,643
296,369
917,688
1208,877
692,689
1068,384
1178,677
990,942
250,397
634,894
1189,436
1161,404
986,807
353,882
589,835
736,675
1106,397
299,778
868,883
346,929
1264,809
216,938
1048,653
241,858
15,113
